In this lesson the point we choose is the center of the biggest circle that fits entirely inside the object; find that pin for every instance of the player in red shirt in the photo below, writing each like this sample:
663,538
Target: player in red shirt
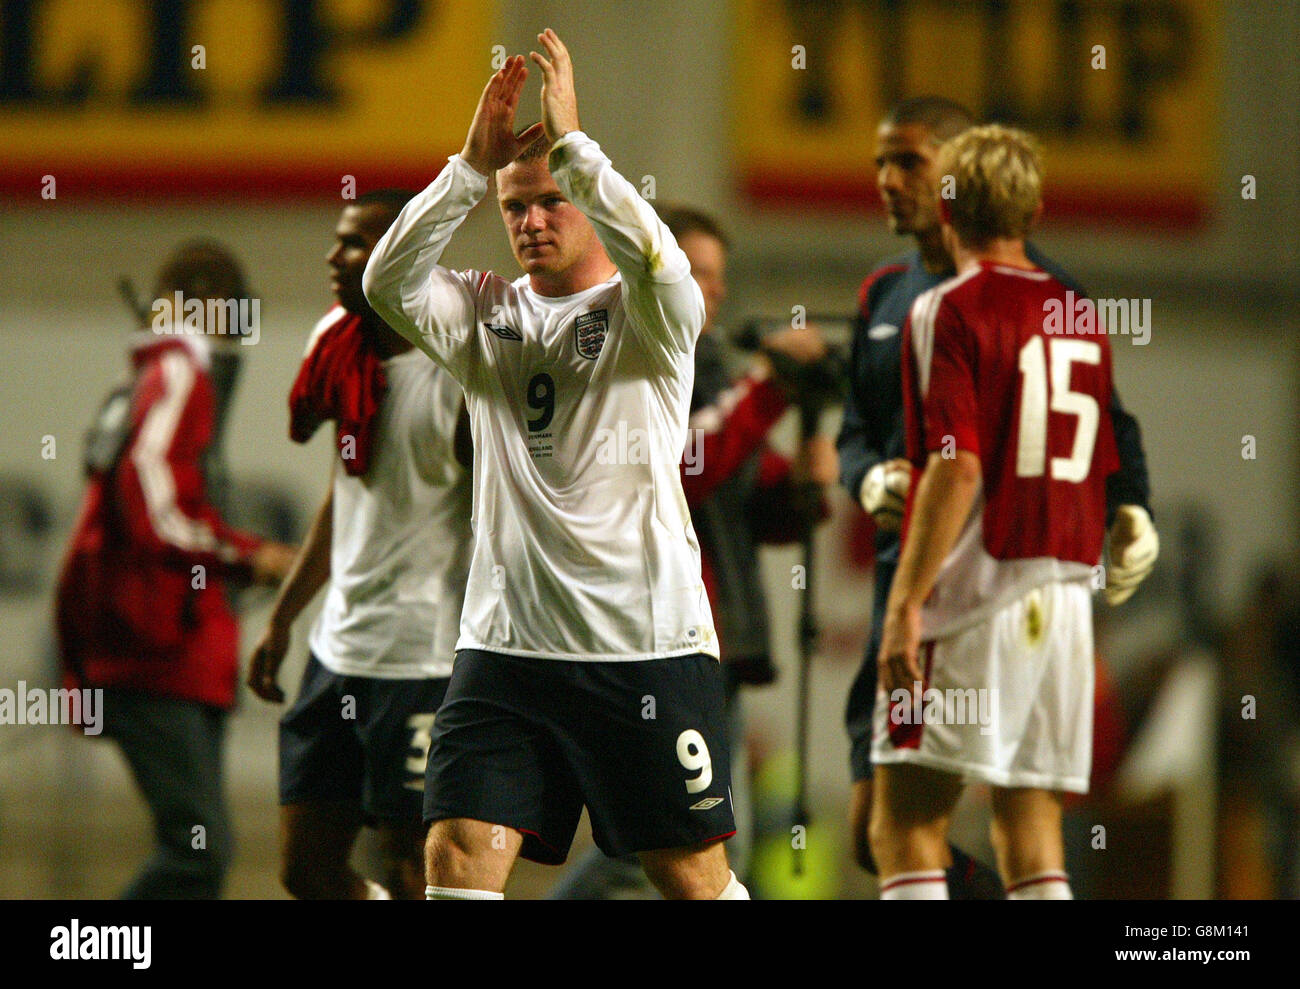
986,659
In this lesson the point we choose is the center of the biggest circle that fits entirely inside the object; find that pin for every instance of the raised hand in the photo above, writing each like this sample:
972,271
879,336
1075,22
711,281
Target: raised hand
492,142
559,99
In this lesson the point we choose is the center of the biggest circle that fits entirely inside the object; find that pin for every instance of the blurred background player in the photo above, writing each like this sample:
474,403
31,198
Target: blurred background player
141,602
870,444
1015,519
587,668
392,540
741,493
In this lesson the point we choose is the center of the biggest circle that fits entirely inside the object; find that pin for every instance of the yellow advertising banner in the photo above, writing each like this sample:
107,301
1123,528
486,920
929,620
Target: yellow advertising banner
1124,95
248,97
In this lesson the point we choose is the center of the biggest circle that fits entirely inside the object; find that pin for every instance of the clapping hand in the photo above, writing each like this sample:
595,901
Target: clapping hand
492,143
559,99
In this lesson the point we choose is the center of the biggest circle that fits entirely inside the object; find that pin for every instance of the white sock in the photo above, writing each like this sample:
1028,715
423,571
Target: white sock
376,892
915,886
450,893
1041,886
734,890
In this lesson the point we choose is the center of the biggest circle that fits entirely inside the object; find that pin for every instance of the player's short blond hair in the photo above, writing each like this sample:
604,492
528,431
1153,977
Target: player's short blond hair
996,183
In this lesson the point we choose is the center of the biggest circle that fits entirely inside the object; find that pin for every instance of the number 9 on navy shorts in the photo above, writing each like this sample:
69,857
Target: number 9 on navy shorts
527,742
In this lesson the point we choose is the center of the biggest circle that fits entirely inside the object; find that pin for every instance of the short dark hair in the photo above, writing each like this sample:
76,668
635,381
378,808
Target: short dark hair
945,118
683,220
392,199
201,268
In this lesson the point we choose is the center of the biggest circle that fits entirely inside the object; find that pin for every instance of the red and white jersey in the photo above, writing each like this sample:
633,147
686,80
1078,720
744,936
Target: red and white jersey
983,375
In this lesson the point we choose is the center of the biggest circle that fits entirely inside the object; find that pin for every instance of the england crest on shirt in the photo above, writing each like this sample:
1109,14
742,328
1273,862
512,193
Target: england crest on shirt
589,331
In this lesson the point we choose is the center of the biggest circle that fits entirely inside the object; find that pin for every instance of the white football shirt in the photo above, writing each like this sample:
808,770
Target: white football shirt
584,548
401,540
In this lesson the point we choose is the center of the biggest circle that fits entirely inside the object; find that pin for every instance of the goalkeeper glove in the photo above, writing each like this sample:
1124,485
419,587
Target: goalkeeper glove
1134,547
884,493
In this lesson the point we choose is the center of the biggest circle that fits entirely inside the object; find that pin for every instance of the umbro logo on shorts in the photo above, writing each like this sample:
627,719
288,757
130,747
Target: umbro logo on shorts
708,803
504,332
882,331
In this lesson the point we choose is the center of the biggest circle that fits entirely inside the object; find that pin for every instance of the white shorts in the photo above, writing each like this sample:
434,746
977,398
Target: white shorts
1007,702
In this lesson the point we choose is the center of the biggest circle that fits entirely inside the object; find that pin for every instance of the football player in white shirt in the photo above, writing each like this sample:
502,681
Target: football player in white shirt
586,670
392,539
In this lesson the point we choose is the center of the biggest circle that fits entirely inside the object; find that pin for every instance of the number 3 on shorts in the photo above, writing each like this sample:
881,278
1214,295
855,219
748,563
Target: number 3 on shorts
421,726
693,754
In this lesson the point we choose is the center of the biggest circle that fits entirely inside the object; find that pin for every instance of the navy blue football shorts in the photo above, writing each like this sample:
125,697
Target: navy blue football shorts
361,739
527,742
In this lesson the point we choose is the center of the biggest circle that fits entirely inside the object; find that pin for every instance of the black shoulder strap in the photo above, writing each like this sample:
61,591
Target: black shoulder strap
108,433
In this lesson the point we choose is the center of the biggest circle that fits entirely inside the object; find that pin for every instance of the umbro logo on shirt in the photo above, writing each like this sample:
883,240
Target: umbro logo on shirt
708,803
882,331
504,332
